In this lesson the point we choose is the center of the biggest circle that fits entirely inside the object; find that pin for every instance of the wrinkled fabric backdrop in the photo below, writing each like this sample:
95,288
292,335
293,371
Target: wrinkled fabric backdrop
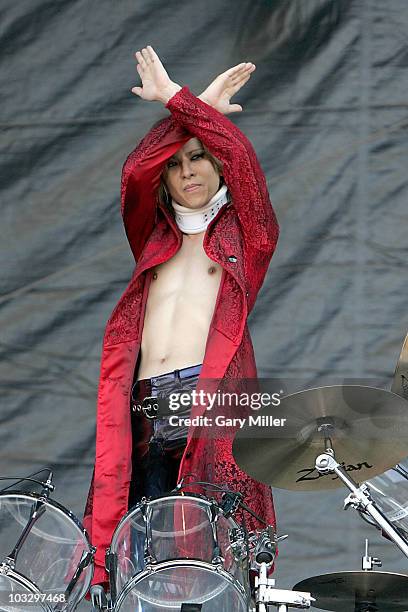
326,111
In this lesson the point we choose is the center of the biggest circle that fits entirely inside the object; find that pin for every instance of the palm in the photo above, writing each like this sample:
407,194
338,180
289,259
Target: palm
219,93
152,73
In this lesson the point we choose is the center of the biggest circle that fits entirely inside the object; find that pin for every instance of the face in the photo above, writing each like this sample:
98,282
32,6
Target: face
190,177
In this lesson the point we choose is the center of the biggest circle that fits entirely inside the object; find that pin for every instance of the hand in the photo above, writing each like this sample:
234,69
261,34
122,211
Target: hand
156,83
225,85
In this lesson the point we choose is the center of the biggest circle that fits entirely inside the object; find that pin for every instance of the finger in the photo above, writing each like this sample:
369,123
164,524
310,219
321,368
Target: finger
141,60
234,108
146,56
240,69
152,53
137,91
242,73
234,69
233,90
242,81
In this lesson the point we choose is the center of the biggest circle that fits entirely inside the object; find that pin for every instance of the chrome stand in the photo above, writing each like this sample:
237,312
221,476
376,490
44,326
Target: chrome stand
267,595
360,497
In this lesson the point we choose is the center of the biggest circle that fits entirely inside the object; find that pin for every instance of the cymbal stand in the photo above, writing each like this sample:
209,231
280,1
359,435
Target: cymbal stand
266,594
360,497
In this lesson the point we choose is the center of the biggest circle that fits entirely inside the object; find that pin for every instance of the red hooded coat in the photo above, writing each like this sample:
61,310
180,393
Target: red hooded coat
241,238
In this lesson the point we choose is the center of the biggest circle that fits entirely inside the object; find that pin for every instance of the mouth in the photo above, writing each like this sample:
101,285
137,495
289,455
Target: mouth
194,187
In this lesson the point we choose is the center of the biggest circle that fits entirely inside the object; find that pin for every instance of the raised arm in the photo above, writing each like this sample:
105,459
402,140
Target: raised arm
142,169
141,178
242,172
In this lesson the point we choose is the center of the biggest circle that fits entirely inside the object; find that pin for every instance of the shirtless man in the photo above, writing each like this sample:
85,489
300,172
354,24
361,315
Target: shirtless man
187,283
202,254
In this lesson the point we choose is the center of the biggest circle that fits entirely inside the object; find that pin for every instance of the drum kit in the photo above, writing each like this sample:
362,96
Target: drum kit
187,552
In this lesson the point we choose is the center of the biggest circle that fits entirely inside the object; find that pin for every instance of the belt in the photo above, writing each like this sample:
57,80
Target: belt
146,402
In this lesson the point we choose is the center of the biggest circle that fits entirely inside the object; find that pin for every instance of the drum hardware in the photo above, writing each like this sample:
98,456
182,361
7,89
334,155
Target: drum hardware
360,497
51,555
361,591
239,543
230,502
367,562
266,546
213,513
185,607
146,510
111,564
37,511
86,559
267,595
99,600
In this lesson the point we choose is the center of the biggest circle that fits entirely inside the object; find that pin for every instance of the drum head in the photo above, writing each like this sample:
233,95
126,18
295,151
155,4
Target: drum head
168,585
53,547
17,595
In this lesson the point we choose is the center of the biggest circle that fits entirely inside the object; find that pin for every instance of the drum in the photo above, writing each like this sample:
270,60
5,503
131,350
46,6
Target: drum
178,549
17,593
390,491
45,554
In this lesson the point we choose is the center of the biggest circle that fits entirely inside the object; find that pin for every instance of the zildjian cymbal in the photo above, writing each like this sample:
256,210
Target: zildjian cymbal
400,382
368,432
358,591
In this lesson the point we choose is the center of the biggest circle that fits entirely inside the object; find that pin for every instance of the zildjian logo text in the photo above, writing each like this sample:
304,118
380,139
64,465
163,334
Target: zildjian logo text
313,474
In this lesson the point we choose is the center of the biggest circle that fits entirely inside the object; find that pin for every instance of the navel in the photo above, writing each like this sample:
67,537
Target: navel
154,275
212,270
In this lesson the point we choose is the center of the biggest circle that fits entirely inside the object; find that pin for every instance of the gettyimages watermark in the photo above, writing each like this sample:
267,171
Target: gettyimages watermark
253,400
221,405
279,408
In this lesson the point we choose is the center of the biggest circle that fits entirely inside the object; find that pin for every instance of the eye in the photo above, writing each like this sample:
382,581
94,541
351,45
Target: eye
171,164
197,156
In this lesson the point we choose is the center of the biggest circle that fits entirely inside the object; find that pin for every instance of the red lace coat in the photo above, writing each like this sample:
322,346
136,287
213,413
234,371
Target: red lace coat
241,238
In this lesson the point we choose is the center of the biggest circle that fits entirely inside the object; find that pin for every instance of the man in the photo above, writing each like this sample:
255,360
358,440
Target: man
201,260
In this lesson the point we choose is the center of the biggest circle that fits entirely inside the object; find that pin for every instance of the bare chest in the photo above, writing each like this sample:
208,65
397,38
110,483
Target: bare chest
190,274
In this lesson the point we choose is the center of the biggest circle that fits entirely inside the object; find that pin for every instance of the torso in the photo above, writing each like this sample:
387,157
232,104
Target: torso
179,309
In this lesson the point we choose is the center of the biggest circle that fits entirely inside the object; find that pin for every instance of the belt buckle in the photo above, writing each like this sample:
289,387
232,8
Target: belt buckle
151,407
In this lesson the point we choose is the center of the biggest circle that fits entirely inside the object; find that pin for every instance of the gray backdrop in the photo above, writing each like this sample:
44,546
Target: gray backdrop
326,111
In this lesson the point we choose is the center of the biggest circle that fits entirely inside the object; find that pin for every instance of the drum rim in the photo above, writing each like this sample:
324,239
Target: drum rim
31,586
156,567
54,504
136,508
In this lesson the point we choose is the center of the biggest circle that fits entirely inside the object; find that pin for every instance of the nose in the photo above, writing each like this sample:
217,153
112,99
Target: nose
186,168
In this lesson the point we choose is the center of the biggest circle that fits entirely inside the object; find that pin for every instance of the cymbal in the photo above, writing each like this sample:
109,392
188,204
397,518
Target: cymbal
369,434
347,591
400,382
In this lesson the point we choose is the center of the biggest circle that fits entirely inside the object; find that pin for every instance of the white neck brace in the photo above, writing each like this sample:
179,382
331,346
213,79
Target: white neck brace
195,221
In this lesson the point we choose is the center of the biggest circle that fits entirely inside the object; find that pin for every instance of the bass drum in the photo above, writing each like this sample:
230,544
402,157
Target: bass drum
53,558
178,549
